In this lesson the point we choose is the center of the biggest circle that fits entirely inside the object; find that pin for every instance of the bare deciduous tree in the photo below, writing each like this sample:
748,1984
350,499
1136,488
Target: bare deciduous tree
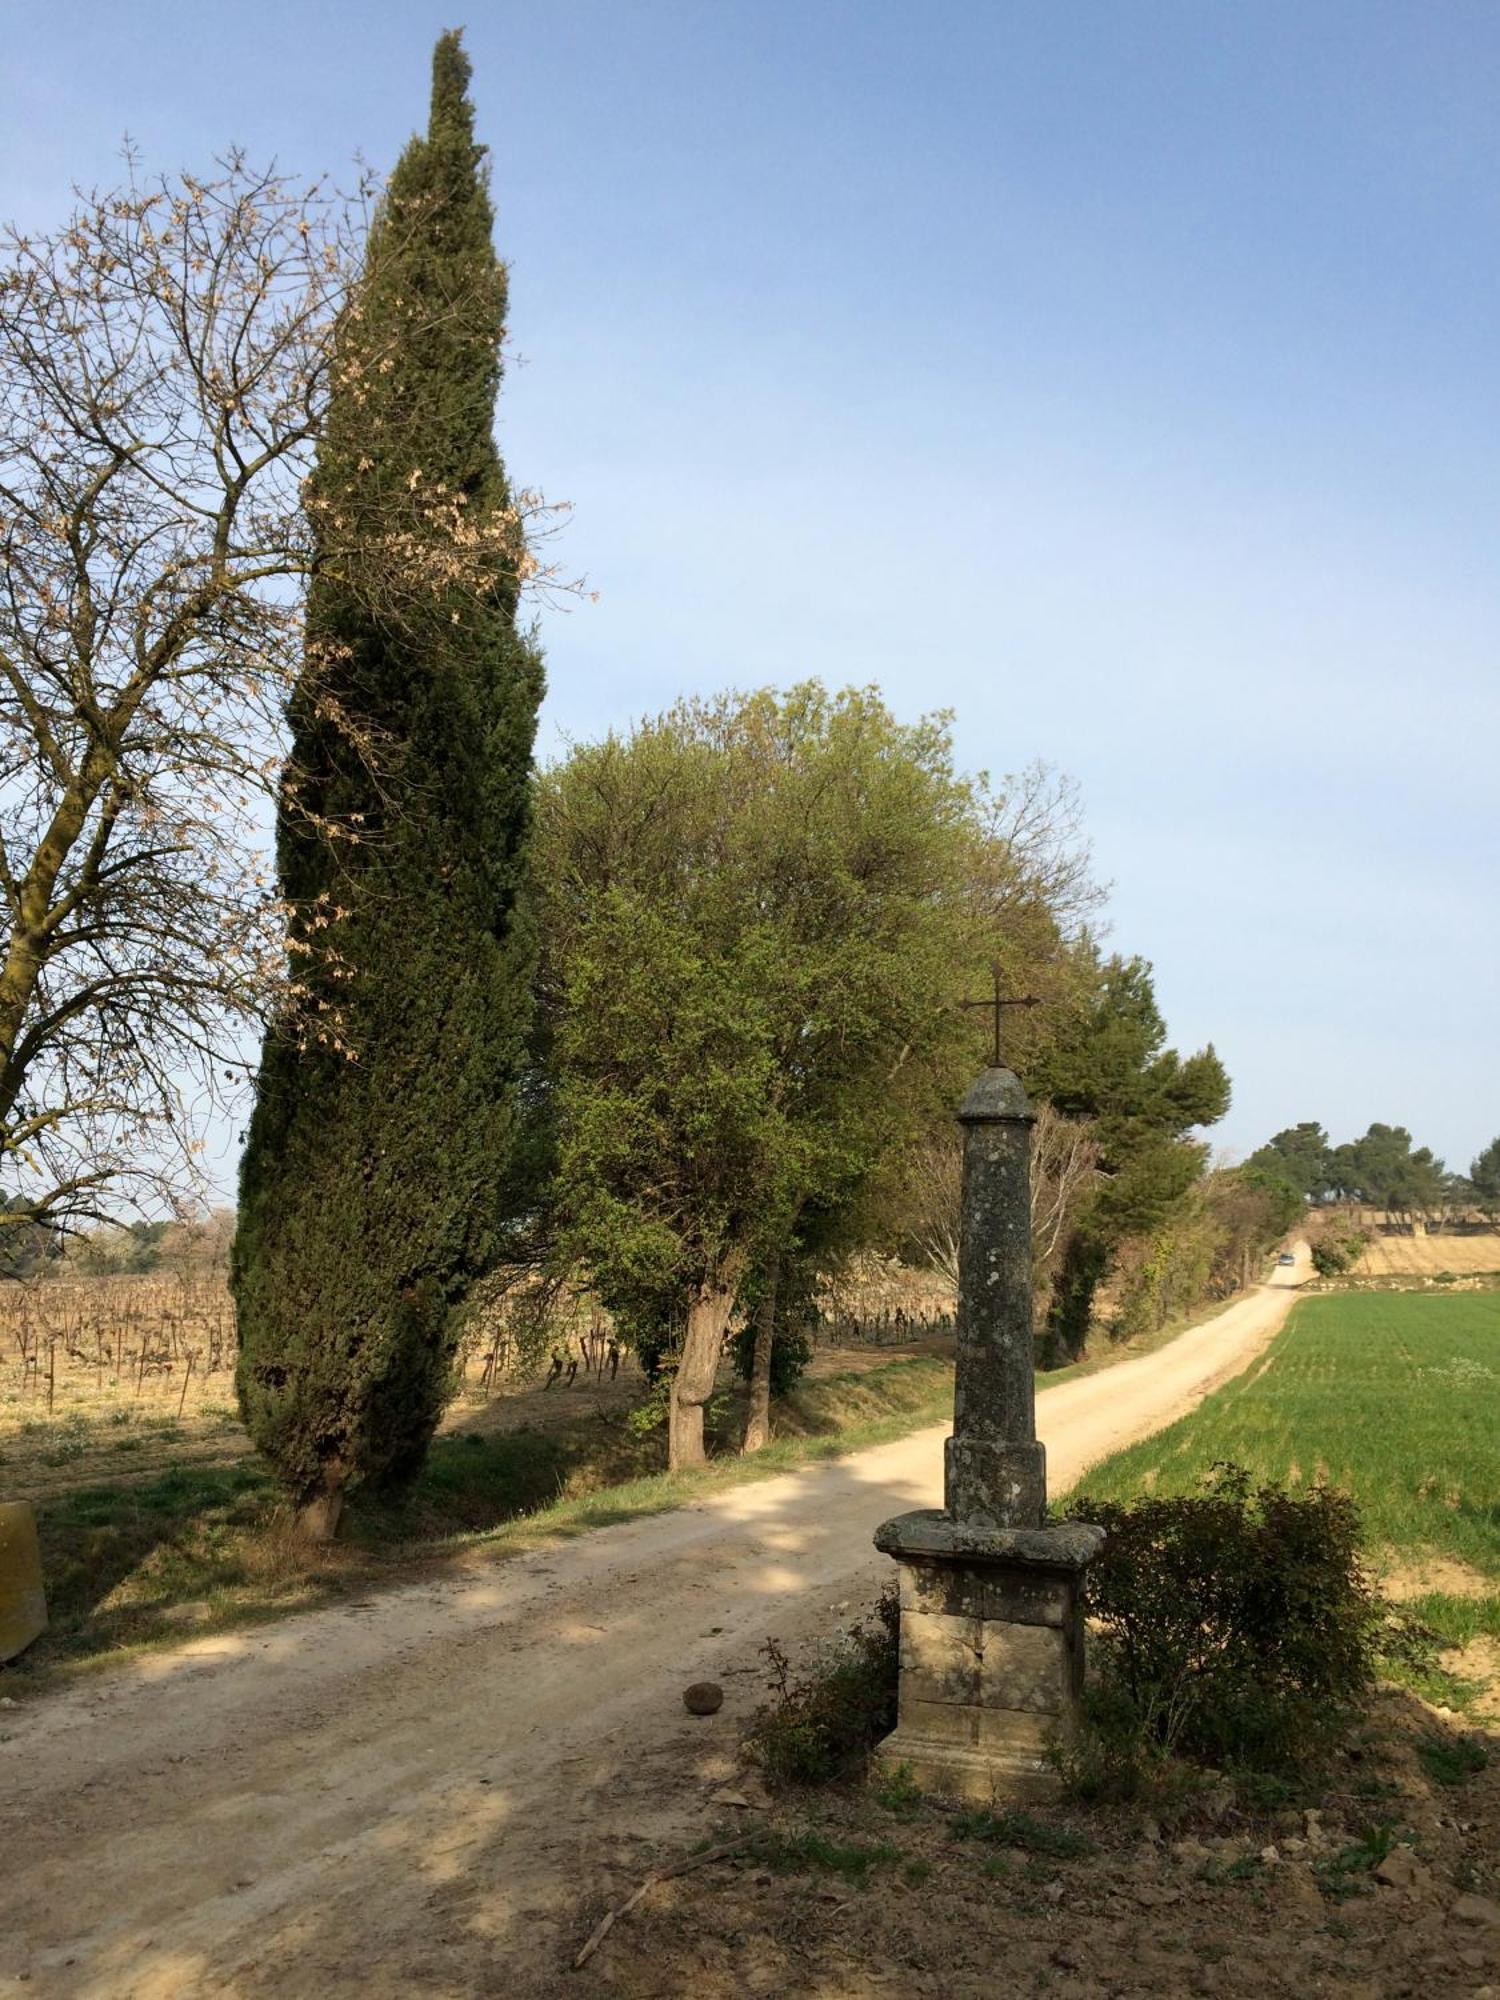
1064,1162
164,366
1039,855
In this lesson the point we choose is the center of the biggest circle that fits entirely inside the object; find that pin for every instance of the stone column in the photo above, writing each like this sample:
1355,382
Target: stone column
991,1616
995,1472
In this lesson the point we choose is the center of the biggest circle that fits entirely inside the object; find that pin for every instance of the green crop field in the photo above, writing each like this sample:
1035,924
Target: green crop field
1395,1397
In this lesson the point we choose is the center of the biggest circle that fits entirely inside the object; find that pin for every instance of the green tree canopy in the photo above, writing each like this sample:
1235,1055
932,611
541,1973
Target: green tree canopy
760,911
1386,1170
373,1187
1110,1064
1484,1176
1301,1156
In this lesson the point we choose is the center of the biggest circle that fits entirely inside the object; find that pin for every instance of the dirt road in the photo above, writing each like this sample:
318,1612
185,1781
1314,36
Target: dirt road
429,1794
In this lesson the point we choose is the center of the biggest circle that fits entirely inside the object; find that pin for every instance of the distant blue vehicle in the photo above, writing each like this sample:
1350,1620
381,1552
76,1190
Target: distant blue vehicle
1286,1257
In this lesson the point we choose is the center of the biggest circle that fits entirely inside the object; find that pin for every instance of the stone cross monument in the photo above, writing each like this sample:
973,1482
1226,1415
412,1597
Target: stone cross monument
991,1622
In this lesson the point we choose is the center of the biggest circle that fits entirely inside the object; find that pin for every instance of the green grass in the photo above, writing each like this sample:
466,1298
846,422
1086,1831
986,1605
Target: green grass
1452,1760
800,1853
1392,1397
1023,1830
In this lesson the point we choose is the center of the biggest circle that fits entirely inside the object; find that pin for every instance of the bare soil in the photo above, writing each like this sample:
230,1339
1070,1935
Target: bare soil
434,1791
1211,1897
1396,1254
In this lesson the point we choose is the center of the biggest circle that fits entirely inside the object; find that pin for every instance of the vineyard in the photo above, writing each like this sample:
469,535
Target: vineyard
114,1377
124,1377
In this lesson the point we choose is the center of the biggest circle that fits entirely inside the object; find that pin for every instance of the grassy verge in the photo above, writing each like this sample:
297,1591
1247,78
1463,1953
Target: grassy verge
204,1548
1391,1397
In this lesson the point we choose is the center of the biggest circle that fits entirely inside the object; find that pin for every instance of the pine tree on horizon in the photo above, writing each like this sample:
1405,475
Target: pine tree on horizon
373,1185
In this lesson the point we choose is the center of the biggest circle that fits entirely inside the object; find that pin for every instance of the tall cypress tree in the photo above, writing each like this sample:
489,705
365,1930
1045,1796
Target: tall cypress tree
372,1191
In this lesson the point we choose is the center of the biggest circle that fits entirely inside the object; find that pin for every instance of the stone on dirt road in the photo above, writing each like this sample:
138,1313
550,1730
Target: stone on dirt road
703,1698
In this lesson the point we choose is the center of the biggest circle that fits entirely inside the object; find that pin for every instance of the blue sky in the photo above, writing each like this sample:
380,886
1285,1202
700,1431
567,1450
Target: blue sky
1120,374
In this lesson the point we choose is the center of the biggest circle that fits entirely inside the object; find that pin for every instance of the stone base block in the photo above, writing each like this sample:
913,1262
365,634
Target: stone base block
991,1653
23,1605
996,1775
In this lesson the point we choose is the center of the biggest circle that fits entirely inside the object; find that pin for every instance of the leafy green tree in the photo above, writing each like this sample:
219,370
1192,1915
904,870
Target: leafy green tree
1301,1156
1110,1064
373,1189
759,910
1385,1170
1484,1177
1268,1202
1335,1252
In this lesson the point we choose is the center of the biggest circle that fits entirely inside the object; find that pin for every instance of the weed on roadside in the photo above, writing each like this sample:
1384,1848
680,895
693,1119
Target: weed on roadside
1348,1872
800,1853
1452,1760
815,1728
1020,1829
897,1792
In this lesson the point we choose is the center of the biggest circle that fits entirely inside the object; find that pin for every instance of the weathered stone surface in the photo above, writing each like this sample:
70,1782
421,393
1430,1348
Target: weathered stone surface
933,1534
942,1587
995,1094
1029,1597
969,1775
1025,1667
943,1722
991,1642
1015,1729
940,1656
982,1698
1400,1869
1019,1597
23,1602
994,1471
993,1484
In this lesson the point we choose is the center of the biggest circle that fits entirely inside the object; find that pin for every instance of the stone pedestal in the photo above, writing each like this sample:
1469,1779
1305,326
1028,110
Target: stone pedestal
991,1653
991,1610
23,1606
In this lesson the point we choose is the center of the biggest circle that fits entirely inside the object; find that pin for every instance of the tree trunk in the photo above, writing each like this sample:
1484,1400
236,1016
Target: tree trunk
697,1371
319,1515
758,1422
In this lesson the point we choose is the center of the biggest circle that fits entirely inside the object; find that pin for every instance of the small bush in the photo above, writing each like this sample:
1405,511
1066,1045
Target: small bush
897,1792
1238,1629
1452,1760
1333,1255
814,1729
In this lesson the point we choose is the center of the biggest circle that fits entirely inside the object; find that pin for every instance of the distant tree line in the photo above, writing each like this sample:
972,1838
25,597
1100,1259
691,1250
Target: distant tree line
128,1248
1385,1169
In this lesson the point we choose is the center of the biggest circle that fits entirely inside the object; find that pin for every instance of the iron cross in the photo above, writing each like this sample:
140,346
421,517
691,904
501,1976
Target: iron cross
997,1003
